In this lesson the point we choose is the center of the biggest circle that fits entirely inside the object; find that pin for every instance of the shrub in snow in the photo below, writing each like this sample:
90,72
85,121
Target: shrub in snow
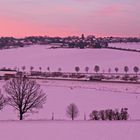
109,114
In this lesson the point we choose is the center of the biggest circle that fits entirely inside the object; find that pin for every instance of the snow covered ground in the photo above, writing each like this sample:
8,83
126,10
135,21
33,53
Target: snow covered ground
68,130
87,96
67,59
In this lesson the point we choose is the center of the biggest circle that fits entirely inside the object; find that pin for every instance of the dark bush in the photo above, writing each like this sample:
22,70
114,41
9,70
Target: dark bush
109,114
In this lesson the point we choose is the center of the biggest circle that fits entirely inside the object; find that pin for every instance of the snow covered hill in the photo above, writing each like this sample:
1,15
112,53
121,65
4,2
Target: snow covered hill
67,59
87,96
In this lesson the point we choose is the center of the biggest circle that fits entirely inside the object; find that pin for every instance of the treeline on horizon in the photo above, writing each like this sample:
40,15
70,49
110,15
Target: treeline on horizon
71,41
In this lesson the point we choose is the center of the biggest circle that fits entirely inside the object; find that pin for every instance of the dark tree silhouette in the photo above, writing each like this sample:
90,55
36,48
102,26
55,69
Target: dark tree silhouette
24,95
31,68
124,114
136,69
77,69
72,111
86,69
110,114
2,101
109,70
126,69
40,68
96,68
23,68
116,69
48,68
94,115
59,69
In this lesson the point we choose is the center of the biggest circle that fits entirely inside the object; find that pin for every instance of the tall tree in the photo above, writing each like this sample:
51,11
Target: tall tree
59,69
72,111
23,68
31,68
136,69
86,69
48,68
77,69
109,70
116,69
126,69
40,68
24,95
96,68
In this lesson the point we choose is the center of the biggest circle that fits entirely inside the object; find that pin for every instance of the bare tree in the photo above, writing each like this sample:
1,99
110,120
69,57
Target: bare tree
23,68
116,69
48,68
109,70
77,69
136,69
126,69
2,101
59,69
40,68
31,68
96,68
24,95
72,111
86,69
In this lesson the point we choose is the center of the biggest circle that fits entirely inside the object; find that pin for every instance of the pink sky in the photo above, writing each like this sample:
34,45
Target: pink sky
69,17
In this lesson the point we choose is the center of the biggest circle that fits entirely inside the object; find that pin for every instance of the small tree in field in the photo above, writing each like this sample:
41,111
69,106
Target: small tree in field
86,69
109,70
40,68
136,69
48,69
116,69
31,68
59,69
77,69
23,68
126,69
96,68
24,95
72,111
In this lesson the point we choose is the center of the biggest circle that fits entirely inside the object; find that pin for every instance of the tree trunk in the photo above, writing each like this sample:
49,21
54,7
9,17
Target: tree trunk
21,116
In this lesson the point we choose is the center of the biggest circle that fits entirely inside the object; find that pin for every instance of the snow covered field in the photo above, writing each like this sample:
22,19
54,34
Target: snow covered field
87,96
67,59
135,46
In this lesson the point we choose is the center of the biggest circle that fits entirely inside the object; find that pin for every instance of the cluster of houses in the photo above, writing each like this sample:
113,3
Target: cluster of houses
89,41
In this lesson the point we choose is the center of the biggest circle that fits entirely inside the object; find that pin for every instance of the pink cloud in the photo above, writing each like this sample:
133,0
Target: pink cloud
111,10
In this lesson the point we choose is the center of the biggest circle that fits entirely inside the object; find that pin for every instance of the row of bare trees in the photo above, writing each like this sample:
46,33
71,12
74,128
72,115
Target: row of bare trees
86,69
96,69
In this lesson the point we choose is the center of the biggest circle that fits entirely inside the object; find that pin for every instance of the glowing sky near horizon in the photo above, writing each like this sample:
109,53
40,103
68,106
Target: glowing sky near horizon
69,17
